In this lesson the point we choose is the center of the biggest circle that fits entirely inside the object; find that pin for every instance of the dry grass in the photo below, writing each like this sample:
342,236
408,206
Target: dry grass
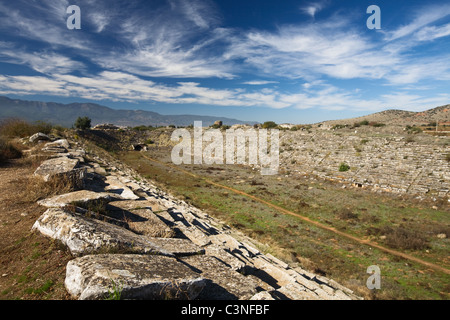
33,266
406,239
20,128
35,188
8,151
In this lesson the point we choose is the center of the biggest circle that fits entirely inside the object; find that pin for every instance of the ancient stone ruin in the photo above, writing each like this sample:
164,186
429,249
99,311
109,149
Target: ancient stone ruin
128,236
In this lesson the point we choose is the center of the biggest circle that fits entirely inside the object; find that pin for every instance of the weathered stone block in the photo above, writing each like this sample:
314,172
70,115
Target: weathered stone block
81,197
133,276
222,282
56,166
84,235
39,136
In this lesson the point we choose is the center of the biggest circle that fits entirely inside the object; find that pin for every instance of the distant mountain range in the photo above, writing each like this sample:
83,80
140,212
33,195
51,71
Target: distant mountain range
66,114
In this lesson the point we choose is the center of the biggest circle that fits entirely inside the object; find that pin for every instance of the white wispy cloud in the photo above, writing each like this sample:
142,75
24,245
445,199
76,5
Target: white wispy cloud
312,50
184,39
259,82
414,71
201,13
118,86
180,40
312,8
47,62
433,32
423,17
41,21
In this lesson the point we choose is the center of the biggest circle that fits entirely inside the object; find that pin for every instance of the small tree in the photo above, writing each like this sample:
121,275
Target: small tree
83,123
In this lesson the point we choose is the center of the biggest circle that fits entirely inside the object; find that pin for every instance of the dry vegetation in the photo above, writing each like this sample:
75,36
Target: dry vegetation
33,267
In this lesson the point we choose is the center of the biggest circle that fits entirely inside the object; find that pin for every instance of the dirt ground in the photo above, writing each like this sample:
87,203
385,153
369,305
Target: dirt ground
32,267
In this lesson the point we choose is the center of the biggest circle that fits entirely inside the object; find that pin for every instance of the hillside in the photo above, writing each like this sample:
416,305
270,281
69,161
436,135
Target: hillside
66,114
401,117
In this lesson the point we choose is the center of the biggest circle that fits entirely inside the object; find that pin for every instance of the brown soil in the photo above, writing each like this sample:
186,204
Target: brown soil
32,267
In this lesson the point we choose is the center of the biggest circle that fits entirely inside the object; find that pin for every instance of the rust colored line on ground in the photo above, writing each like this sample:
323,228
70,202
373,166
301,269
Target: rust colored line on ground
308,220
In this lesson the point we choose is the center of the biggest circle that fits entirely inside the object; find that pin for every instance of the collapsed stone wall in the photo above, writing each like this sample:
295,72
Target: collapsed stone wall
146,244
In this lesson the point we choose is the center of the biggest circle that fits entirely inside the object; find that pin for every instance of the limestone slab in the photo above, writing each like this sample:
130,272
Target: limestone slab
84,235
222,282
116,186
133,276
81,196
56,166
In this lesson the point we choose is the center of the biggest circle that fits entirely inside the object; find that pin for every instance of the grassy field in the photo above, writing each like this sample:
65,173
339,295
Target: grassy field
403,224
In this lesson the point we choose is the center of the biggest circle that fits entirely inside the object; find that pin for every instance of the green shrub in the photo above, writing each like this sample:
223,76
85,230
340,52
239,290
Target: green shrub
344,167
269,125
376,124
413,129
144,128
339,126
83,123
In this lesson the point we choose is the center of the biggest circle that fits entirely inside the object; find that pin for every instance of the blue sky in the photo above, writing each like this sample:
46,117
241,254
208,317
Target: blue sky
286,61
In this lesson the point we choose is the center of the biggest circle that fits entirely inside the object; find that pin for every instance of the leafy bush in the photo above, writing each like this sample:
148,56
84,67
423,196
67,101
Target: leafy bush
364,123
339,126
413,129
344,167
346,214
269,125
83,123
144,128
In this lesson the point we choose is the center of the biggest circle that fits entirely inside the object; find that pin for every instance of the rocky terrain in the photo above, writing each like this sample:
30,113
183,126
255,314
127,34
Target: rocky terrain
401,117
129,239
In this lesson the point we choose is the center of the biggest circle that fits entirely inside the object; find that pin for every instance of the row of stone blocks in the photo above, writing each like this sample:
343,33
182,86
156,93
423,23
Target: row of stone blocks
146,244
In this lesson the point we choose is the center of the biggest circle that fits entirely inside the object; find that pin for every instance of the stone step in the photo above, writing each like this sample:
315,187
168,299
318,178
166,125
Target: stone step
81,197
114,185
84,235
140,218
222,282
148,277
60,166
